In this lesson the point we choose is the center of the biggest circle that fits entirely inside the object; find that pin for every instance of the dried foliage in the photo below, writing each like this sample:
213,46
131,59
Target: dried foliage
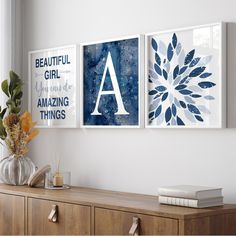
15,129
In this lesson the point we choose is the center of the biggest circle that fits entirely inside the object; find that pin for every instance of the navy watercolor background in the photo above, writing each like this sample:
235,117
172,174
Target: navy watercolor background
125,58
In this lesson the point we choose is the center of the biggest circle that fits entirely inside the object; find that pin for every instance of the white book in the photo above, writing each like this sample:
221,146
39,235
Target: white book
190,191
210,202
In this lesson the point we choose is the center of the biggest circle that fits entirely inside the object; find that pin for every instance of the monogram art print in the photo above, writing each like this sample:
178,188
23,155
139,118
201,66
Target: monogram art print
111,83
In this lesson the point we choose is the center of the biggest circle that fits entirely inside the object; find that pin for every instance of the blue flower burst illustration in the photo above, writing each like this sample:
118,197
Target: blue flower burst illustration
179,84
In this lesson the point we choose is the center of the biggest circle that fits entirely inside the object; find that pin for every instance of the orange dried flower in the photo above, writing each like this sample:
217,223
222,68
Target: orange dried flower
20,131
26,122
34,133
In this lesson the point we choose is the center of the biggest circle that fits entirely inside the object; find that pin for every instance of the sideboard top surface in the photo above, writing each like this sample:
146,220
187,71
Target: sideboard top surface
139,203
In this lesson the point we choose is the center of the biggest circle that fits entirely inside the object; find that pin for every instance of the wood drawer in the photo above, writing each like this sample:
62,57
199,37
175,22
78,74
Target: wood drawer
113,222
72,219
12,215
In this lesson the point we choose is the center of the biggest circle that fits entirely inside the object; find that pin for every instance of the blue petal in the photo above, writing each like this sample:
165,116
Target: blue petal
181,57
160,88
177,80
174,110
152,92
195,88
165,74
158,59
199,118
169,52
154,44
157,69
193,109
181,86
194,61
183,80
174,40
164,96
189,99
205,60
185,91
158,111
205,75
167,66
154,105
178,48
205,85
175,72
182,70
182,104
189,57
151,114
197,71
209,97
195,95
179,121
173,122
168,114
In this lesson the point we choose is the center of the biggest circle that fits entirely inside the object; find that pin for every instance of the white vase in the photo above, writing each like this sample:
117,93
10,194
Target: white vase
16,171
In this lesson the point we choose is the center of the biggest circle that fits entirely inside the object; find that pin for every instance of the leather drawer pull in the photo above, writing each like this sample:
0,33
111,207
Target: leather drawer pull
53,214
134,230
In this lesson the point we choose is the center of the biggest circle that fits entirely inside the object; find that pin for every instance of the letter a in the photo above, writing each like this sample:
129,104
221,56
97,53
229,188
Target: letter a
109,66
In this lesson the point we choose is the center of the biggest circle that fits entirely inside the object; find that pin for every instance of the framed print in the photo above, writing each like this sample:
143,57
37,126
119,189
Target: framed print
53,87
185,78
111,83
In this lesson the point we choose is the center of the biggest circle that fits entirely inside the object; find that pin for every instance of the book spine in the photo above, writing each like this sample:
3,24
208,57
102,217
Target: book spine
180,194
178,201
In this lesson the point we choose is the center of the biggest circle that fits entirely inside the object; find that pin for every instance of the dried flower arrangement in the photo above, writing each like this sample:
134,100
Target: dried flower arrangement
16,129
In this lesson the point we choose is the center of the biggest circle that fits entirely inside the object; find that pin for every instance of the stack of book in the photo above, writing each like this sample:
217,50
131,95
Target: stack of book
191,196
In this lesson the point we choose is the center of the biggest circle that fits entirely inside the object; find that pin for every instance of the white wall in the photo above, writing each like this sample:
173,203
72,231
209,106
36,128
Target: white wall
10,46
124,159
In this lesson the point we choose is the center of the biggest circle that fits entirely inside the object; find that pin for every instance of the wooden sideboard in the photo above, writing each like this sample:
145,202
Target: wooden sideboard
84,211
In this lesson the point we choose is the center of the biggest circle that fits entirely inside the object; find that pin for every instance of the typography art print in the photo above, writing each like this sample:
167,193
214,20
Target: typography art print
52,75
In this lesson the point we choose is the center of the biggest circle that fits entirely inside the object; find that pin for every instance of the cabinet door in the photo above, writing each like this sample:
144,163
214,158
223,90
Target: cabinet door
11,215
71,219
113,222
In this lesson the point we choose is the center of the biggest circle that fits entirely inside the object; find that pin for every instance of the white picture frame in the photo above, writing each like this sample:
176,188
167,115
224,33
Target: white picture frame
70,86
140,81
220,29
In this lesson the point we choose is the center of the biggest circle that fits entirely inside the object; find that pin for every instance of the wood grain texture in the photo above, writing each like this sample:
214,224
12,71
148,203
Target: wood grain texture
230,224
93,211
26,214
113,222
212,225
138,203
92,220
12,217
72,219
